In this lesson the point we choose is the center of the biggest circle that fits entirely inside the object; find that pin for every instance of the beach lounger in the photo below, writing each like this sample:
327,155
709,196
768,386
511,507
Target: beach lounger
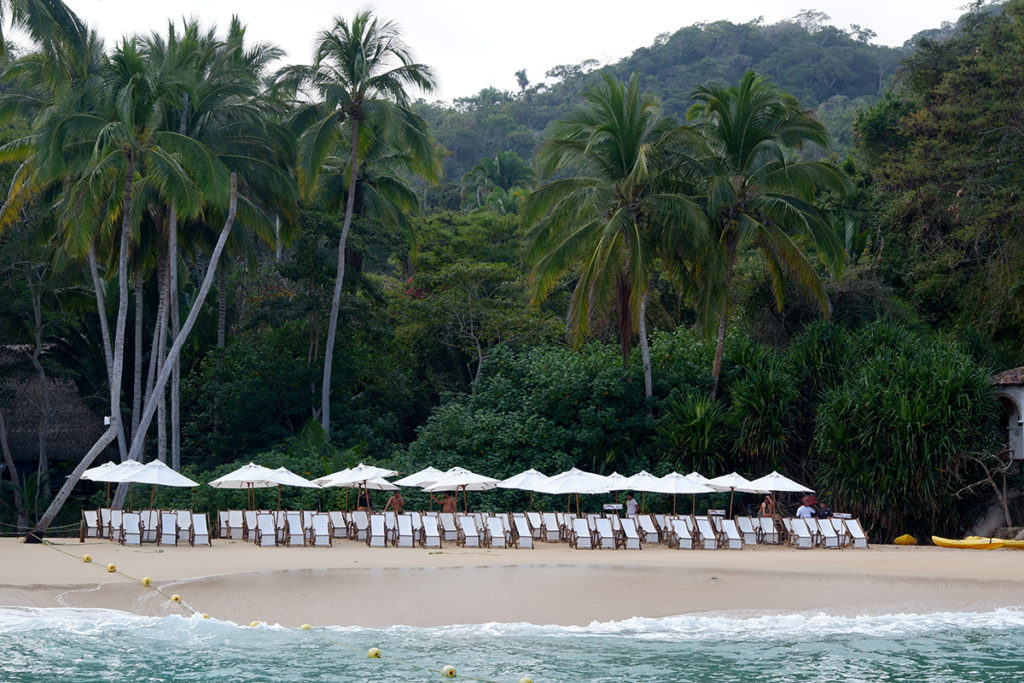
250,526
536,526
339,527
223,528
200,530
550,528
234,526
431,532
131,529
320,530
581,535
853,527
104,523
90,527
416,519
566,520
390,525
747,530
469,534
184,525
150,525
604,535
708,536
829,537
524,535
497,533
295,533
404,536
629,536
682,535
359,525
769,534
265,530
168,529
448,526
660,521
115,526
281,519
378,535
648,529
802,537
732,540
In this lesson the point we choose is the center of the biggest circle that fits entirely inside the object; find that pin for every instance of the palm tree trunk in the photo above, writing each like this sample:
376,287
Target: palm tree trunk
222,306
190,321
137,382
19,502
645,349
730,261
172,296
116,368
161,421
332,328
101,309
43,479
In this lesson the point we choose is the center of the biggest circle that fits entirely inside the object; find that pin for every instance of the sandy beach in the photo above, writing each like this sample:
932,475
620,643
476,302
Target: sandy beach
351,583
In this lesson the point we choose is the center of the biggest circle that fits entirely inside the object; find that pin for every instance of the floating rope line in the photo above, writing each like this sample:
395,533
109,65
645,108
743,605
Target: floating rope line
372,653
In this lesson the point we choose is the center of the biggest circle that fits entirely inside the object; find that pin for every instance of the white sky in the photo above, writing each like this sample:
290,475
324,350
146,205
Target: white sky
472,44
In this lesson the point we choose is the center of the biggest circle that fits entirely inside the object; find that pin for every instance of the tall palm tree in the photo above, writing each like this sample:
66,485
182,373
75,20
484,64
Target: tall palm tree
755,194
50,23
612,212
363,70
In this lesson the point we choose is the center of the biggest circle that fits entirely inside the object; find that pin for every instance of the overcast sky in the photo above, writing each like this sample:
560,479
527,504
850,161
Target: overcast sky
473,44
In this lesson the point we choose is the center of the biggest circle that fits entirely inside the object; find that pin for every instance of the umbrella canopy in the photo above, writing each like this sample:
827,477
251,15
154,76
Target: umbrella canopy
158,473
100,472
425,477
676,483
777,482
641,481
118,472
573,481
285,477
461,478
251,476
733,482
524,480
354,476
697,477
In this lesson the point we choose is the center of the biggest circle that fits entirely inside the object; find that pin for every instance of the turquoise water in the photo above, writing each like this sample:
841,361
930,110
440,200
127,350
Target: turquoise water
101,645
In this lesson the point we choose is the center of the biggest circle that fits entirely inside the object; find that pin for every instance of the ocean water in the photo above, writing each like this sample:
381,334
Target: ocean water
102,645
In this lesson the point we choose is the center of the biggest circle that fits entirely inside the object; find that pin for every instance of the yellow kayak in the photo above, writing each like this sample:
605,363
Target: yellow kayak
1007,543
972,542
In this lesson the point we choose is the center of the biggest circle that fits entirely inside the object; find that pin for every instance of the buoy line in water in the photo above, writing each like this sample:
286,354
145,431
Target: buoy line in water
372,653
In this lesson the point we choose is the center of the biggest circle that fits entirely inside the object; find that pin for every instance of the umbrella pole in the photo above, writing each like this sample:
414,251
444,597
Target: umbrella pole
732,493
152,495
693,498
131,500
465,501
643,501
279,499
673,505
577,505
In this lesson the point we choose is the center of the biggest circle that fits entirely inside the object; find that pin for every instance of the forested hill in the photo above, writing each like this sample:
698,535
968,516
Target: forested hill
831,70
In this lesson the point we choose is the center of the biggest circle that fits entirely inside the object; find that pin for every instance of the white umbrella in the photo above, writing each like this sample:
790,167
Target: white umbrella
676,483
157,472
732,483
99,473
360,477
460,478
116,474
641,481
777,482
525,481
425,477
697,477
253,476
574,481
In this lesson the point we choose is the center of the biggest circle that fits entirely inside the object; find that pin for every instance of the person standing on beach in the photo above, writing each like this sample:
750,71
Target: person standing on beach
449,503
805,511
631,505
395,502
364,502
767,508
824,511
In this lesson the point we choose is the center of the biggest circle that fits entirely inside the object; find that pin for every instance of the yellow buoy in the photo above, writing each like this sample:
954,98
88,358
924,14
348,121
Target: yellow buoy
905,539
525,679
146,581
111,567
175,598
374,653
254,624
448,672
204,615
305,627
86,558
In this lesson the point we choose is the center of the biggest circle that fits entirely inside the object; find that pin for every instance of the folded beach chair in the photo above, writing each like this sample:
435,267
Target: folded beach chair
359,525
168,529
581,535
115,526
131,529
320,530
295,533
449,526
281,519
200,530
536,526
223,527
648,529
629,536
660,521
266,530
390,525
682,535
829,537
339,527
232,525
469,534
431,533
747,530
853,527
377,537
150,525
604,535
524,535
802,537
497,533
550,528
708,536
616,522
404,536
250,525
90,527
786,531
104,522
769,534
416,519
184,525
732,534
567,525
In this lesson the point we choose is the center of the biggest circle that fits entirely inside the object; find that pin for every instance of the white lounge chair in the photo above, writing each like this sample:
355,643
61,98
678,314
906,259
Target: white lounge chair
769,534
497,534
733,540
266,530
708,537
184,525
747,530
648,529
116,525
359,525
131,529
853,527
90,527
524,535
200,530
390,525
378,536
628,534
449,526
604,535
339,526
566,521
802,537
404,536
828,535
469,535
235,525
295,533
150,525
581,537
168,529
534,519
223,525
551,530
250,526
320,530
431,532
682,535
104,531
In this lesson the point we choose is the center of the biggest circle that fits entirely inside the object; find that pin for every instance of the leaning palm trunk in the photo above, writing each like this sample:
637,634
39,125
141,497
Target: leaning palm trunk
101,310
645,349
186,328
116,367
137,373
172,283
332,328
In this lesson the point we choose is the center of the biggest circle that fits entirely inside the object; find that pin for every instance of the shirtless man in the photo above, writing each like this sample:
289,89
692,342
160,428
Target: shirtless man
448,504
395,502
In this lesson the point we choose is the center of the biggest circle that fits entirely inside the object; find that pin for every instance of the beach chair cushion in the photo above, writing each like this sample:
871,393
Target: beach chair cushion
200,532
131,528
581,536
266,530
524,534
404,536
320,530
168,529
630,534
377,537
431,532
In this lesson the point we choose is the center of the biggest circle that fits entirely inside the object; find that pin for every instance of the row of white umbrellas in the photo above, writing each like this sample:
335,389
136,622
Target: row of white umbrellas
366,477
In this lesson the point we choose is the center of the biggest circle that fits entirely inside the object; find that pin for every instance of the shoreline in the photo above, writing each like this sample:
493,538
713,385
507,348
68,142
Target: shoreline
352,584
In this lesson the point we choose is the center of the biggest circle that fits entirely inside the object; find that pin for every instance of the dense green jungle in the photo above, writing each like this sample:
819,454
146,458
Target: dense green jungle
744,247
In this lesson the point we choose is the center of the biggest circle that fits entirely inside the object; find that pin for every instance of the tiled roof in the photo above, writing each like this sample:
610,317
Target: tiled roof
1009,378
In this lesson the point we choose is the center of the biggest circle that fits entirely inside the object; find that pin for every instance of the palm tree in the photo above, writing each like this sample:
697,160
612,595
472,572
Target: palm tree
502,177
50,23
755,195
362,72
613,211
